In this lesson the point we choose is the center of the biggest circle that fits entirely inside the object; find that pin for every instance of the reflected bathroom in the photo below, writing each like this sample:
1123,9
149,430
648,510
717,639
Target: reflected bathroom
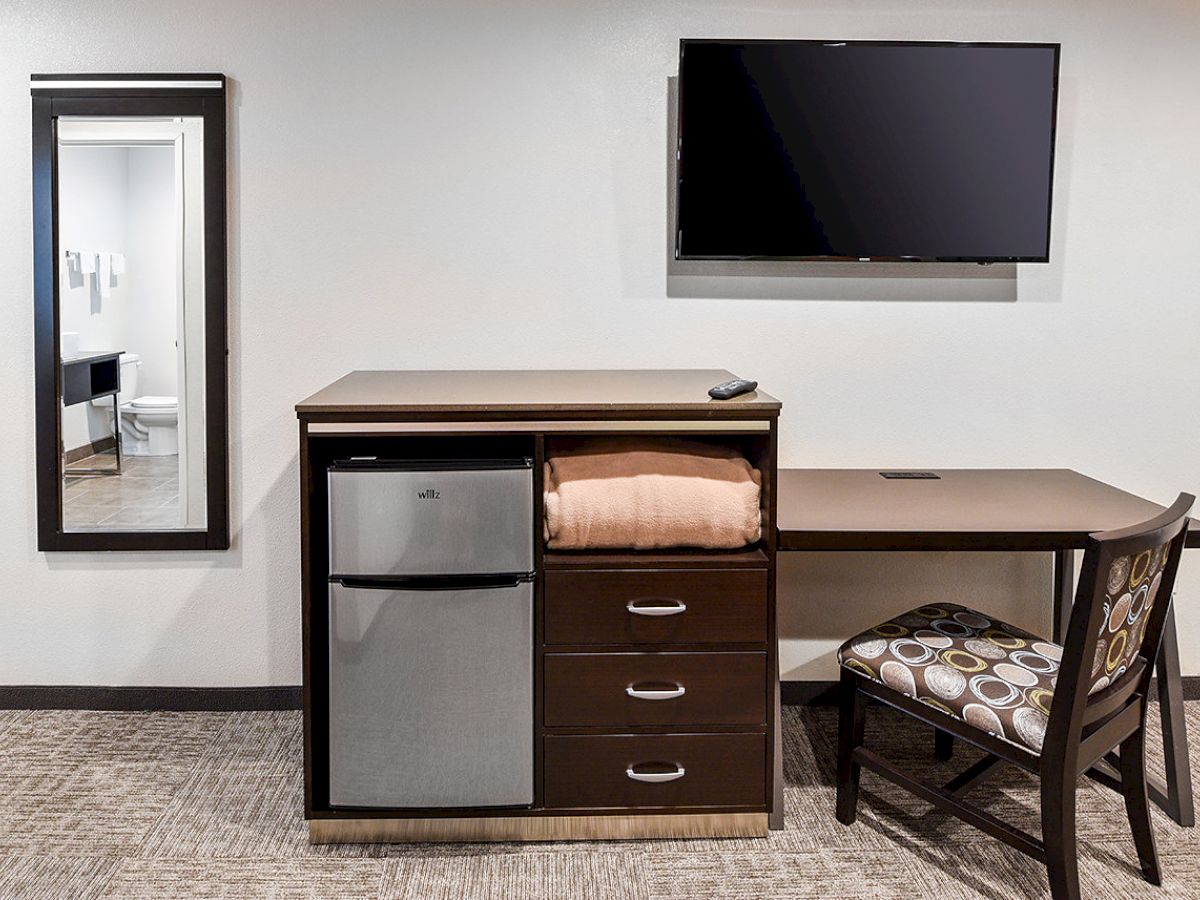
130,320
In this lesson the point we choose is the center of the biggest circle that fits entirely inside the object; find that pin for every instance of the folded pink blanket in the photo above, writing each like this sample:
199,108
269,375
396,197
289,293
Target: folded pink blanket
646,494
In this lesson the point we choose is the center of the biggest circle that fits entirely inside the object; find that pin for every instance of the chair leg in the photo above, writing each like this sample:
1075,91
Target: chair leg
1058,835
943,745
1137,806
851,721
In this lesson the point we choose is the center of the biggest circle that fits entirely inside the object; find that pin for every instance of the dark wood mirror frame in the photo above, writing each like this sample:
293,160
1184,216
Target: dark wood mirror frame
128,95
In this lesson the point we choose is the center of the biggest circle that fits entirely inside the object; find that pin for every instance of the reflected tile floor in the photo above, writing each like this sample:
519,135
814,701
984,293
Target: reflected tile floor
207,805
144,495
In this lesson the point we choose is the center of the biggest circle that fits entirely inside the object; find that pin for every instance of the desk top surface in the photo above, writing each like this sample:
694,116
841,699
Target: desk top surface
964,509
605,391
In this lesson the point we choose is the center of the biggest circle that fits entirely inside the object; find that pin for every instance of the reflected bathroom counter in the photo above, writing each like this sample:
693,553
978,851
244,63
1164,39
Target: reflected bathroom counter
90,374
90,356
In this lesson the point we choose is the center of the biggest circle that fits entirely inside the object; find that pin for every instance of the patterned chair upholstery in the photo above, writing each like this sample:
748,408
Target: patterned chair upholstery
995,676
988,673
1132,587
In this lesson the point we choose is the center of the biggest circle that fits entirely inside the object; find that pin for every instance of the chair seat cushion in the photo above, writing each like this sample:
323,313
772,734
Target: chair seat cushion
991,675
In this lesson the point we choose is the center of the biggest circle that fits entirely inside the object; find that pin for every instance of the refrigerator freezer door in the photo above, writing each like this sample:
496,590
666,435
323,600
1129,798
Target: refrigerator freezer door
431,697
435,522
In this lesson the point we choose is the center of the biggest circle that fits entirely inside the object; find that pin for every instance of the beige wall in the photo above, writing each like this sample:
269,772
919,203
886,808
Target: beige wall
440,185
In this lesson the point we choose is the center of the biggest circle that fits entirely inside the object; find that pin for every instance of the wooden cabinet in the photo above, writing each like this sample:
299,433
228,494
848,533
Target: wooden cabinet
628,649
655,672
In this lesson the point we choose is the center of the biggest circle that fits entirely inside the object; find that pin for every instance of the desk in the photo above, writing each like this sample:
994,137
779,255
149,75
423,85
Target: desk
1050,510
86,376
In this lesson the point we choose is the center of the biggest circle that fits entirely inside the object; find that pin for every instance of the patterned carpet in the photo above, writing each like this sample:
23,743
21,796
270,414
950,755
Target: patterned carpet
203,805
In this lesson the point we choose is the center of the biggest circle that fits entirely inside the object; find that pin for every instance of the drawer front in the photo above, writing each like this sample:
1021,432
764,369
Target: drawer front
622,689
685,606
655,770
414,521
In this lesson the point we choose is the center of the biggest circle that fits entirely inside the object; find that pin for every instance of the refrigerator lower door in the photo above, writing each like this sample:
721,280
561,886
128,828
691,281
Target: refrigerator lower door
431,697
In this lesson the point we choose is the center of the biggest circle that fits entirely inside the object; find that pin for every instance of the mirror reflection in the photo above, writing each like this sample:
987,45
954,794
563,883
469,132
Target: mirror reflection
131,323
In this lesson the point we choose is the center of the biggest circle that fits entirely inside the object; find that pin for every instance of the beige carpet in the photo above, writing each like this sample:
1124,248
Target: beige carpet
209,805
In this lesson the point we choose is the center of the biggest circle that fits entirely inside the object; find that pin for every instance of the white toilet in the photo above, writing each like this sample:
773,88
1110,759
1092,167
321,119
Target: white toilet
153,423
150,424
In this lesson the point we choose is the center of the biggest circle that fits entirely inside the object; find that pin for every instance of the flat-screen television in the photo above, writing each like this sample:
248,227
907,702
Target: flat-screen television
865,150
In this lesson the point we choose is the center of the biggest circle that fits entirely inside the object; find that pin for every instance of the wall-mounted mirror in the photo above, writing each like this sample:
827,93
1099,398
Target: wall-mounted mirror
129,244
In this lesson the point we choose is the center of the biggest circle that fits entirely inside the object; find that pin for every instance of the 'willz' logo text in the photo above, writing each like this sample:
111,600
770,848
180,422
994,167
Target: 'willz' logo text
429,494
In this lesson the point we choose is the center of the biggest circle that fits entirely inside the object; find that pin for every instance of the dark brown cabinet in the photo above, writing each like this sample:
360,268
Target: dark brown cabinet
654,672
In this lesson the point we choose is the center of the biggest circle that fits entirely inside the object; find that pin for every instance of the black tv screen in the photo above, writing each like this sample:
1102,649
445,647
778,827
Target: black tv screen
865,150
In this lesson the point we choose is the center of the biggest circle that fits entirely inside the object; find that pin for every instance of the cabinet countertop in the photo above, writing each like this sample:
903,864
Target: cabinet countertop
605,391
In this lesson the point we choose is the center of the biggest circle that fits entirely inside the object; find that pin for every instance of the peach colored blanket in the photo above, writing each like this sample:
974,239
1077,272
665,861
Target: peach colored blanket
648,494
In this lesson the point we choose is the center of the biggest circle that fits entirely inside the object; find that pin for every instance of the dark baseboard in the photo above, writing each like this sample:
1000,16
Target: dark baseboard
792,693
75,455
824,693
808,693
222,699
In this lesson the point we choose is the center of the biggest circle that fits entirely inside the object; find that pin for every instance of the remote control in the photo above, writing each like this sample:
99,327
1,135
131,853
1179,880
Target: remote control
728,389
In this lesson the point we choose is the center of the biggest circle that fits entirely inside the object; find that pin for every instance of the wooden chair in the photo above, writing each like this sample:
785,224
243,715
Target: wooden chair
1056,711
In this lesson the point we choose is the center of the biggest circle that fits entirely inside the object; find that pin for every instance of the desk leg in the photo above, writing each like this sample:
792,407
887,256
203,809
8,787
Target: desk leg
775,819
1064,590
1178,789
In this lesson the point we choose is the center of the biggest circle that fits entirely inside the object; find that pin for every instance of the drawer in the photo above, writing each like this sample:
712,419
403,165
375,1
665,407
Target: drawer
623,689
664,606
655,770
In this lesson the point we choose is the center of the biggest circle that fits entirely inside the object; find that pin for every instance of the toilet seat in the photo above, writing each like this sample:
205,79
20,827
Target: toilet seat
151,402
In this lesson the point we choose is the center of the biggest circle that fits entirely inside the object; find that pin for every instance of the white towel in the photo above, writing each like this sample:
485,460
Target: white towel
118,263
87,261
105,274
75,277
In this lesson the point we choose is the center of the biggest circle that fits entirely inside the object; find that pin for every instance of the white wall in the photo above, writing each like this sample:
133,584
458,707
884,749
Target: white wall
93,195
468,185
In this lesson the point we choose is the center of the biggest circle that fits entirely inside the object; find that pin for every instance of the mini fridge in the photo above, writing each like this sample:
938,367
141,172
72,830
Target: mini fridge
430,633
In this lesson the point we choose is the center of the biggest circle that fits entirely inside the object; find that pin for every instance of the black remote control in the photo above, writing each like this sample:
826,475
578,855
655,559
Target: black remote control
727,389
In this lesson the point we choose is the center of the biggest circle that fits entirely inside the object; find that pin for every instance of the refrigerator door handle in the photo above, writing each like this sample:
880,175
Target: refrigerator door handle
431,582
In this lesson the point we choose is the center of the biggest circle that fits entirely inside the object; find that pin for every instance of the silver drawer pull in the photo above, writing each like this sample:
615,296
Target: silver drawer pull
656,777
643,694
679,606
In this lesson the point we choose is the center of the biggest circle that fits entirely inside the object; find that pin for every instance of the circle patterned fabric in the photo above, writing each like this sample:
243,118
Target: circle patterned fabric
1130,592
973,667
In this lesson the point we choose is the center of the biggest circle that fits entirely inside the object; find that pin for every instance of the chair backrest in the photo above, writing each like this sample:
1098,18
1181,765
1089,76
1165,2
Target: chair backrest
1116,625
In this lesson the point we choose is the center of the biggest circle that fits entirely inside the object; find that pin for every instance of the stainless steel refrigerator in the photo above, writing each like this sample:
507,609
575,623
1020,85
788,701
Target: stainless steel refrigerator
430,633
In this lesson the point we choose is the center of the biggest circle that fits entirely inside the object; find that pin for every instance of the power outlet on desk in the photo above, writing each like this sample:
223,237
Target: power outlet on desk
917,476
